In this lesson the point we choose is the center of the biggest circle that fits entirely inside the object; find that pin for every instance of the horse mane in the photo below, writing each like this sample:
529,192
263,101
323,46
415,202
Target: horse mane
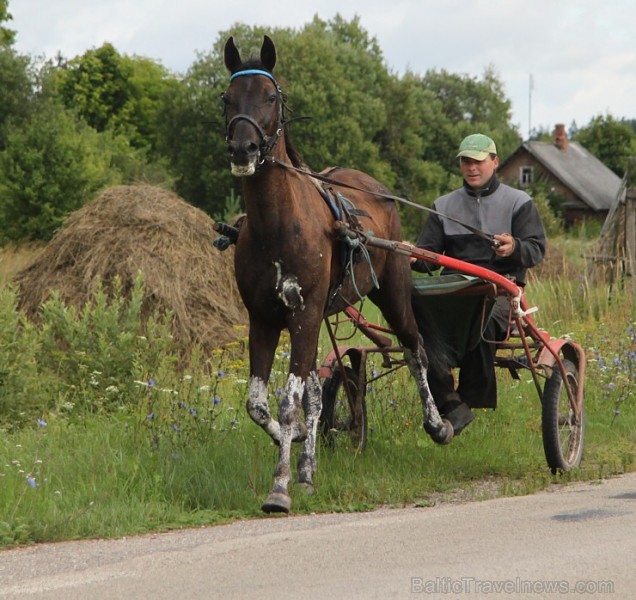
292,152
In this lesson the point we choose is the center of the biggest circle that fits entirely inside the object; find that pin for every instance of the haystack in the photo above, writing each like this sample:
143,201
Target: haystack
135,228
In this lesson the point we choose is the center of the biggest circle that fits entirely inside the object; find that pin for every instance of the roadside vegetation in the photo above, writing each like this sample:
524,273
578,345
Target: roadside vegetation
104,435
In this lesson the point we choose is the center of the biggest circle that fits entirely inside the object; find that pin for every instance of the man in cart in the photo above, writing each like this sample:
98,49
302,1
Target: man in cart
510,219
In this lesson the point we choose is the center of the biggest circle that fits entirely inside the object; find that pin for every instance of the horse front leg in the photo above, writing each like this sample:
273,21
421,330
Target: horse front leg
440,430
289,404
262,346
302,386
312,404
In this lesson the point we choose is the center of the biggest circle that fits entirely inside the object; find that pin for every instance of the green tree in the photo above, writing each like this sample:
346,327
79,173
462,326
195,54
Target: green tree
150,85
337,77
191,136
610,140
465,105
428,117
121,93
96,85
7,36
51,165
404,147
15,88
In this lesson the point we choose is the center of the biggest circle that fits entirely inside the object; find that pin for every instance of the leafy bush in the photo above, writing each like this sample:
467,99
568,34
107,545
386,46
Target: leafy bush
78,362
50,166
22,391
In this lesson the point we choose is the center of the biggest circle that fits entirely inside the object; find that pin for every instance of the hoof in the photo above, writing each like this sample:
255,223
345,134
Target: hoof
442,435
307,488
277,503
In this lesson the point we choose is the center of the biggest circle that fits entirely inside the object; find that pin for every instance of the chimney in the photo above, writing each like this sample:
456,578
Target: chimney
561,138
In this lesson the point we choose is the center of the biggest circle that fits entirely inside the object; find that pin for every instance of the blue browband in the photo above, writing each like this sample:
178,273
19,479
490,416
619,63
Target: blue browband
253,72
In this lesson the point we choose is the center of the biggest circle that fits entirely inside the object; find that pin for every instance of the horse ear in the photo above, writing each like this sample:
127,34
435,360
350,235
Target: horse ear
268,54
233,60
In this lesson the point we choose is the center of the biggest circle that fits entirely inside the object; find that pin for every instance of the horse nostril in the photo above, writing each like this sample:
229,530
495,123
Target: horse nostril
251,148
232,147
246,148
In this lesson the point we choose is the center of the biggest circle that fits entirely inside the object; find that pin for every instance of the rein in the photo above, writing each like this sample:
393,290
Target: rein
309,173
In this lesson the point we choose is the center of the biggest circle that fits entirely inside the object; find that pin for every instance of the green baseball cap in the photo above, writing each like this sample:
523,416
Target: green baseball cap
477,146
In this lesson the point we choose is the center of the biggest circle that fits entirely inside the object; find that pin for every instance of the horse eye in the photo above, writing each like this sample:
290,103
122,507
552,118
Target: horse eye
272,99
224,98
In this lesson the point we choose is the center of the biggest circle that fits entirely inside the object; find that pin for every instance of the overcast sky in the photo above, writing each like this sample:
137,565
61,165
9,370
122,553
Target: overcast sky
581,53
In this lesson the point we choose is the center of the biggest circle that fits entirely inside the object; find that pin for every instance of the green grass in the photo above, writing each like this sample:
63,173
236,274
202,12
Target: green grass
123,443
115,475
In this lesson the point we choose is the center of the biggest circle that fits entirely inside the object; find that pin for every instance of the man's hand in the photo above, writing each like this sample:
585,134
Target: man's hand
504,244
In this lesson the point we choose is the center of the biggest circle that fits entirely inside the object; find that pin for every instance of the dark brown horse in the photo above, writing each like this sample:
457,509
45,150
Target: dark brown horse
290,271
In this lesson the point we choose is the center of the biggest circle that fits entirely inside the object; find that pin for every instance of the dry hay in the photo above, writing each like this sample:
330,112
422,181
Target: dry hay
135,228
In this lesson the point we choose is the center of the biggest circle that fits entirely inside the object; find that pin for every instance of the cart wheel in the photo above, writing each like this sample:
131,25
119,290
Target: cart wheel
562,432
338,425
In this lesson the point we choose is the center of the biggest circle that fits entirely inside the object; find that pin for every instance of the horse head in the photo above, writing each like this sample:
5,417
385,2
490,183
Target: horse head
253,108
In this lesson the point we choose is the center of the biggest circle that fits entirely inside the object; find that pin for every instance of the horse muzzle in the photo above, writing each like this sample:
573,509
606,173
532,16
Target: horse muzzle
243,157
243,170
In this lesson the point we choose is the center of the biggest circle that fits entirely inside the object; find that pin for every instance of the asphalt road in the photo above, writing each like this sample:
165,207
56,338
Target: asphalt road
577,540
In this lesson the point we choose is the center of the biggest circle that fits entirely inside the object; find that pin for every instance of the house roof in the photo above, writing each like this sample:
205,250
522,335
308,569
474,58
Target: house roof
579,170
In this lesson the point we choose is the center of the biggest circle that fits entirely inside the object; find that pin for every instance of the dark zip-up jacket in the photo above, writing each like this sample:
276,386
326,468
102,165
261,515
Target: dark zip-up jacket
496,209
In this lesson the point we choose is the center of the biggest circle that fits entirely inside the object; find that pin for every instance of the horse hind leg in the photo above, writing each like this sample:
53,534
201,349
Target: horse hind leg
405,327
440,430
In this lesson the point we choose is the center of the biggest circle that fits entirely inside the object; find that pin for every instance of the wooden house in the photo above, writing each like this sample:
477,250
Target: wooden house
585,186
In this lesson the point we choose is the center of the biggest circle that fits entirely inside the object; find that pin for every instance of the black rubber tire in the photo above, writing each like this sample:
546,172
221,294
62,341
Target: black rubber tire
336,419
563,435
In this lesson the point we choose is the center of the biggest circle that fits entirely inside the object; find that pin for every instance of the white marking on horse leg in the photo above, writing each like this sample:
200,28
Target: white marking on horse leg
279,273
432,420
258,409
288,417
313,405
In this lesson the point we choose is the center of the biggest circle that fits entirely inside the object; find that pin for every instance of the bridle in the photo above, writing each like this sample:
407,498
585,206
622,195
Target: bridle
267,142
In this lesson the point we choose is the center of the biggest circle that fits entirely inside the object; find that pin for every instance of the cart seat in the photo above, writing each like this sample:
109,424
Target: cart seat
457,306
